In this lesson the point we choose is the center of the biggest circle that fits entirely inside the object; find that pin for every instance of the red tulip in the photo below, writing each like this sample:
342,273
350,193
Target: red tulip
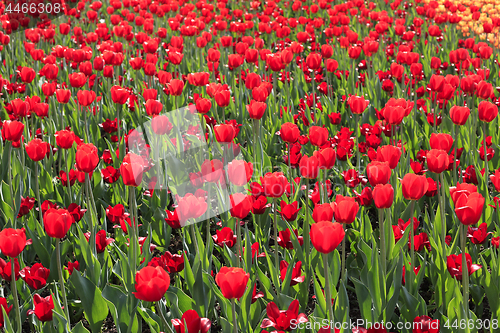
224,133
383,196
437,160
57,222
86,157
459,114
151,283
256,109
212,171
357,104
313,61
241,205
326,236
389,154
175,87
239,172
153,107
345,209
297,276
12,241
191,322
495,179
318,136
326,157
478,235
225,236
454,265
36,149
378,173
101,241
35,276
283,320
414,187
27,74
484,90
77,80
86,97
425,324
289,211
441,141
309,167
457,191
487,111
274,184
323,212
3,304
232,281
190,207
119,95
43,307
132,169
72,266
289,132
469,207
65,139
63,95
12,130
222,98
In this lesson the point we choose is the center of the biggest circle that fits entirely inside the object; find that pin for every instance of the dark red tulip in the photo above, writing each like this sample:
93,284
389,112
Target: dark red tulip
289,211
425,324
35,276
297,276
478,235
285,239
101,241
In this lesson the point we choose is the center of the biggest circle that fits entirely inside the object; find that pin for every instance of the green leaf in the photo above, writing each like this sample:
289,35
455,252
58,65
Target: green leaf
94,305
79,328
117,303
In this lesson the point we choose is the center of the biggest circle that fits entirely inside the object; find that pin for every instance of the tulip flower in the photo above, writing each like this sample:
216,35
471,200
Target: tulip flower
239,172
151,283
309,167
191,322
378,173
285,240
326,236
4,305
454,264
132,169
469,207
35,276
318,135
414,187
225,236
86,157
345,209
289,212
437,160
43,308
289,132
296,272
12,241
425,324
282,320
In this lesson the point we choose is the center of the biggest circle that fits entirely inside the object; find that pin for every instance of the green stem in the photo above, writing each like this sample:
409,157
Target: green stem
133,235
235,322
465,271
486,180
37,190
276,258
328,293
61,281
357,143
382,239
239,255
9,179
343,256
412,248
441,199
68,184
14,294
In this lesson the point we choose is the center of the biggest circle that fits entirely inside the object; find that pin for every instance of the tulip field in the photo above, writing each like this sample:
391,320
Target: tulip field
187,166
